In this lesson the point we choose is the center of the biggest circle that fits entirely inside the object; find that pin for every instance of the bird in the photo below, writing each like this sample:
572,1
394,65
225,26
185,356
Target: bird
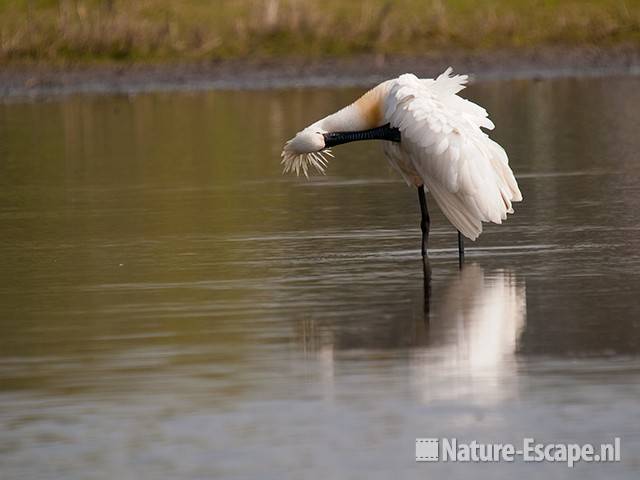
433,138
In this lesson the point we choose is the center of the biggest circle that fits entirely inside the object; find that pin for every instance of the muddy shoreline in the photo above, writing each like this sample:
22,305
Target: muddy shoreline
37,81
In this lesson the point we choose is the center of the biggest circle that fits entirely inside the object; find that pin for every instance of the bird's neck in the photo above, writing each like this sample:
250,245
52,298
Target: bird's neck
365,113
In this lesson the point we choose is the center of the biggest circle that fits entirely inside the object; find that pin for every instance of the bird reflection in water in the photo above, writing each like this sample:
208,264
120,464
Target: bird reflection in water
471,333
463,336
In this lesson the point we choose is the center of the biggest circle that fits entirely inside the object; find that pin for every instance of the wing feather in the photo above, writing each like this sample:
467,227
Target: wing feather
467,173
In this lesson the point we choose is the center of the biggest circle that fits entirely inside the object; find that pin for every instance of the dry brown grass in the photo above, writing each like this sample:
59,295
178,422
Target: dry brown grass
79,30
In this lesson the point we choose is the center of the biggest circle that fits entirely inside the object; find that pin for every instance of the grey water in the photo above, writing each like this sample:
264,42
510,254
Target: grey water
171,306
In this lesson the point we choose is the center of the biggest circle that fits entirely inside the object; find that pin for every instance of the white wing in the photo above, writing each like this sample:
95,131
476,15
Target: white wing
466,172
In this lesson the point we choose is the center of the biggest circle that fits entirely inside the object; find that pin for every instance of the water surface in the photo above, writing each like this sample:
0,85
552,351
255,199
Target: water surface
172,307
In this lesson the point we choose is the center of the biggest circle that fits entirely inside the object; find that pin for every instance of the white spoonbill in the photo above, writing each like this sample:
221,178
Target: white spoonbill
433,138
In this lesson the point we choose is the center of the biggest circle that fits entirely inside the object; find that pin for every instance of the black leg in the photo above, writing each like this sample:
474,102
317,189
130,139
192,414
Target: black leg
425,222
460,249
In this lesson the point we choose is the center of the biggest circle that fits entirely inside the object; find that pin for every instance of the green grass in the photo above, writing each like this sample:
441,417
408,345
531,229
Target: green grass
158,30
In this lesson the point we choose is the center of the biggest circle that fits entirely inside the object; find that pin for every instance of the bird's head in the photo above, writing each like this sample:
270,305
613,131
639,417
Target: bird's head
362,120
306,149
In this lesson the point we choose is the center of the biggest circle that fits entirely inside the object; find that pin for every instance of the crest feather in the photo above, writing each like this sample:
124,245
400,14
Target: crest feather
294,162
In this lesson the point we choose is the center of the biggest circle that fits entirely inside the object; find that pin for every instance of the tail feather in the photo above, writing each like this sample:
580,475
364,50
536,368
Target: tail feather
509,186
460,213
466,209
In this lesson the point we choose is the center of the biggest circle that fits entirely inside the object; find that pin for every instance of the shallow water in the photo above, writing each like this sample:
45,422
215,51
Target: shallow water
172,307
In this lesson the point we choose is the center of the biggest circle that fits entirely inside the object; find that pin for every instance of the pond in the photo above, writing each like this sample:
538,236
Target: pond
171,306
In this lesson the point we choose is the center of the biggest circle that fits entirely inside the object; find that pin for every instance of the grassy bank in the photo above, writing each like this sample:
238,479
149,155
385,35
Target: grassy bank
157,30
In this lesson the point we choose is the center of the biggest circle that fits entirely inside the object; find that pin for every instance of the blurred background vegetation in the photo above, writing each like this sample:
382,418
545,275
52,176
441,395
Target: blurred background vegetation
165,30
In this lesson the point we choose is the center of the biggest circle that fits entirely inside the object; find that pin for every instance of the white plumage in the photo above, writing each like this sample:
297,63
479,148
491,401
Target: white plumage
442,146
